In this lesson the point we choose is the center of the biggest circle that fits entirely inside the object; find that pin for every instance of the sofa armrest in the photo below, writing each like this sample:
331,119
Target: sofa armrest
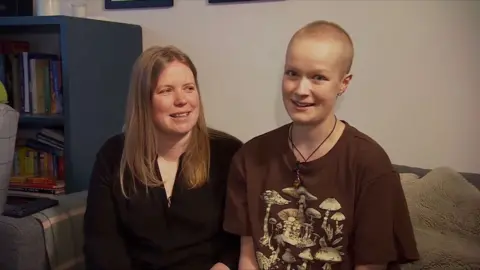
25,244
62,227
22,245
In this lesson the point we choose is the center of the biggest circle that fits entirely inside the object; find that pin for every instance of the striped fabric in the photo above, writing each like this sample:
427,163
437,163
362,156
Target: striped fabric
63,231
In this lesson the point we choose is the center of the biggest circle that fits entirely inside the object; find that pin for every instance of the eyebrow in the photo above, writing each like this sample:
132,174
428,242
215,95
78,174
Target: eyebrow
317,70
169,85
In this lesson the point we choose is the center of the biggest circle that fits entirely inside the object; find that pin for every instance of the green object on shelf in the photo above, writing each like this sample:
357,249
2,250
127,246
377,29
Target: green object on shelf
3,94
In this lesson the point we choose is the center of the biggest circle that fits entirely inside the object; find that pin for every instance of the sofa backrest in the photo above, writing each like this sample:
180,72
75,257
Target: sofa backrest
473,178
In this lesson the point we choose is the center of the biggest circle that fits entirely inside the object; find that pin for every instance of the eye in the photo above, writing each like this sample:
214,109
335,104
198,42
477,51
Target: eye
319,78
290,73
164,91
190,88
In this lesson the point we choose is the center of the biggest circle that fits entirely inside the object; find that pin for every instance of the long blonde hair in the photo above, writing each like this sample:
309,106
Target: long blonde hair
139,152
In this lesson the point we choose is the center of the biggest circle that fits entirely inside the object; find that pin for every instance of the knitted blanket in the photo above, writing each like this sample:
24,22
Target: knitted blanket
445,212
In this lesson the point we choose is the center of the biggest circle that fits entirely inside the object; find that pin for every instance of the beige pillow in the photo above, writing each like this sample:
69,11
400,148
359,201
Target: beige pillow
408,177
445,212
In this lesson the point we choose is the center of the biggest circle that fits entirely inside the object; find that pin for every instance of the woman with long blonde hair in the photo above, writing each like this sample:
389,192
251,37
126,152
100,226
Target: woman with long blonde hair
157,190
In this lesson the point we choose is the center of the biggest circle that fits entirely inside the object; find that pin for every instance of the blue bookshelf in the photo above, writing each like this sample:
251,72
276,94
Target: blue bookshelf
94,60
40,120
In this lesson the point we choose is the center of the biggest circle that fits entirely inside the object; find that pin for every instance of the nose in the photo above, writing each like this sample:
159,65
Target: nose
180,98
303,88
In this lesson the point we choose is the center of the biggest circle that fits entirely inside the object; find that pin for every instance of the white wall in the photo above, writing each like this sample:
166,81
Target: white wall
416,71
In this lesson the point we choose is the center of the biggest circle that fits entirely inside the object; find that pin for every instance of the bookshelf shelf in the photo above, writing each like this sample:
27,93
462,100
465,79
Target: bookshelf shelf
41,120
68,77
34,20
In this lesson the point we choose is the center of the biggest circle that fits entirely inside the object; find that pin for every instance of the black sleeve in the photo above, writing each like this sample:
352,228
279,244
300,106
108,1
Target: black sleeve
231,253
104,246
236,217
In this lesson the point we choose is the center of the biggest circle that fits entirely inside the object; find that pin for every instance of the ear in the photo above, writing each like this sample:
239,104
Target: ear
344,84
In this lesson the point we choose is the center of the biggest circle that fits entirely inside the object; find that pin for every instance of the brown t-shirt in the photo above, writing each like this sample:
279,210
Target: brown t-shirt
350,209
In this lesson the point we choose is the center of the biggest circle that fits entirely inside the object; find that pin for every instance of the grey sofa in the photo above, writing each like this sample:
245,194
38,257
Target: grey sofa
50,239
22,245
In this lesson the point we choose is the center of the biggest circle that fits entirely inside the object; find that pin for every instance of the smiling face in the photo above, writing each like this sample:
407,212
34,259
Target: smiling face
175,100
314,76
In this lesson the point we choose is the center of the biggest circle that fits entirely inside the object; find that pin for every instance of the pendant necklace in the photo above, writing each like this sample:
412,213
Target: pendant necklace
298,181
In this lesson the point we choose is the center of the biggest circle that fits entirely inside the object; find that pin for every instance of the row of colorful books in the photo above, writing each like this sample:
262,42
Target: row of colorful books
36,185
38,165
33,80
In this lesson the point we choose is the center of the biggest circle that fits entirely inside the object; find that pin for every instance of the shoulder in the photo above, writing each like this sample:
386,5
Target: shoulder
112,148
370,158
264,144
107,161
365,145
223,143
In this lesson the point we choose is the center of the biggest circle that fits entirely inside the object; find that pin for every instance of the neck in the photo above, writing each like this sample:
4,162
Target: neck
310,136
170,148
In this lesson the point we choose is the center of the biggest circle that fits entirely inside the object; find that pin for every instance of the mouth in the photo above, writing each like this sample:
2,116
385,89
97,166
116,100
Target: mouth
302,104
180,115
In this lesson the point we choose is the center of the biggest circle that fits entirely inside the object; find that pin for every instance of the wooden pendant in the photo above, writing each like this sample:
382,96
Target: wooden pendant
297,182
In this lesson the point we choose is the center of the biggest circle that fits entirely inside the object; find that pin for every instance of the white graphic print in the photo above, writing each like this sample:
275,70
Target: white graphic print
290,235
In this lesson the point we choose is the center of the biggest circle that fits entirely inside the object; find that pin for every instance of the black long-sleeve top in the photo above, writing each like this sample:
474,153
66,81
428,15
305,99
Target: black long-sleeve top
142,232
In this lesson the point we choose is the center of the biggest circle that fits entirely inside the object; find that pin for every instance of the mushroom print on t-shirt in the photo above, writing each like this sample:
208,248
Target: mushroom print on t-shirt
331,213
289,233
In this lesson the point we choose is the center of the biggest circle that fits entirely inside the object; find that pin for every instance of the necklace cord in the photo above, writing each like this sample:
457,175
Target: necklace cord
297,181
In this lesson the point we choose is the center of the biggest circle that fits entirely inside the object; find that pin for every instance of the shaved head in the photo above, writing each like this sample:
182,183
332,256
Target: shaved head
325,31
316,72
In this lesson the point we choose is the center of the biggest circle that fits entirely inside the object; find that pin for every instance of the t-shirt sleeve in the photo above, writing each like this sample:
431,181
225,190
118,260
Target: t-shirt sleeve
236,219
383,233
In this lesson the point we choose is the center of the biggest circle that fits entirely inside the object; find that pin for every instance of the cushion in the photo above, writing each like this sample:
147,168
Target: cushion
445,213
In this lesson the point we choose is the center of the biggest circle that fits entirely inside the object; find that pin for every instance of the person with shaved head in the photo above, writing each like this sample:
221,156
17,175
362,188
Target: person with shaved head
317,193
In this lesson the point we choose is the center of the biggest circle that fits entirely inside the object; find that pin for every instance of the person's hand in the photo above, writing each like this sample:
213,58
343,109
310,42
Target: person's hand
219,266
